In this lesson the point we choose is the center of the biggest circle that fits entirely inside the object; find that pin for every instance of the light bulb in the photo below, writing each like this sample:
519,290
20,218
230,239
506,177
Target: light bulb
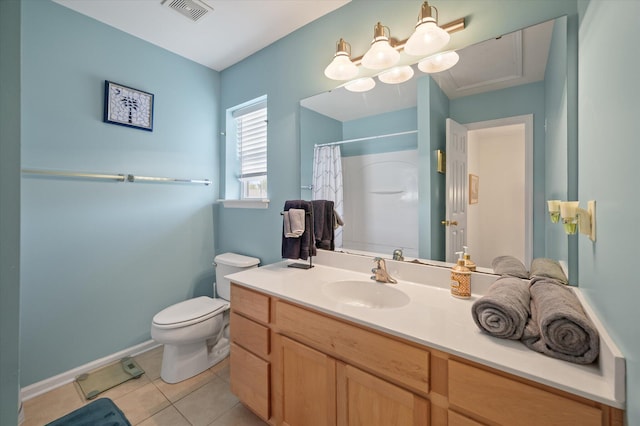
360,85
396,75
438,63
426,39
341,68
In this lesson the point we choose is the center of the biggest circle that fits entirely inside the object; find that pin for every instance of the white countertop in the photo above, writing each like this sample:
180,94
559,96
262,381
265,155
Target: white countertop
436,319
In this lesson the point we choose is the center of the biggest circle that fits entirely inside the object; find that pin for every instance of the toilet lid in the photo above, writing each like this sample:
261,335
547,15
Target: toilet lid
190,311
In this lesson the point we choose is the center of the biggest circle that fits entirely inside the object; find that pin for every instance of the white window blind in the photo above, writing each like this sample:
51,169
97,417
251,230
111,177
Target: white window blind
251,136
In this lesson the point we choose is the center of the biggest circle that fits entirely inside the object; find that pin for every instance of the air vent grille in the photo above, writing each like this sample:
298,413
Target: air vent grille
192,9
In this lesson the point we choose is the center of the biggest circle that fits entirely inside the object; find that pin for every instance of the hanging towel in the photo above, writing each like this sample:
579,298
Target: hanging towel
548,268
304,246
294,223
323,220
504,311
558,326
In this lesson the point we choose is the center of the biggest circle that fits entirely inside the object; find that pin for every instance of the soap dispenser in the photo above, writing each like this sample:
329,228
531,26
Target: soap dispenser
460,279
467,260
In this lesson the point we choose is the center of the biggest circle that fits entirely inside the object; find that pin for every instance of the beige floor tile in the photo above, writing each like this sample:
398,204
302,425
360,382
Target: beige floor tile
239,415
220,366
208,403
151,362
167,417
222,370
142,403
54,404
177,391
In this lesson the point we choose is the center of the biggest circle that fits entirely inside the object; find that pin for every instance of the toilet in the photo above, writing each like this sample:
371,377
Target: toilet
195,333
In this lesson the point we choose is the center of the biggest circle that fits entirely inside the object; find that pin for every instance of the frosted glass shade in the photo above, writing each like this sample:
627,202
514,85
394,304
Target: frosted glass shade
396,75
438,63
569,209
380,55
341,67
360,85
426,39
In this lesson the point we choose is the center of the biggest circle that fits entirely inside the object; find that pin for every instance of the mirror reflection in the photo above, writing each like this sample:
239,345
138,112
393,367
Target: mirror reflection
500,117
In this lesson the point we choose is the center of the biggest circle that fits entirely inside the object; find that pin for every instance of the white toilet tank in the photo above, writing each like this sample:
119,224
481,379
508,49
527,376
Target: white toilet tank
229,263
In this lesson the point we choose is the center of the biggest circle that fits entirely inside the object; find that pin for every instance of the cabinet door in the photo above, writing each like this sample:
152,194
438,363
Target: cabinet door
364,399
308,385
250,380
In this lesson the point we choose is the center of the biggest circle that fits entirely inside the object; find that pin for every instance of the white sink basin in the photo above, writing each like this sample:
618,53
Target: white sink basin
367,294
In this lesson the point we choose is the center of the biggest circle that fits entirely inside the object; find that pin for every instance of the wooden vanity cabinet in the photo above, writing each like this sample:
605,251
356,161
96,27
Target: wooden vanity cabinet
250,364
329,372
295,366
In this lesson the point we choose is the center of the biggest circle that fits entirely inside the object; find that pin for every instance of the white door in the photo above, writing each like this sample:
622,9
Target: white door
456,187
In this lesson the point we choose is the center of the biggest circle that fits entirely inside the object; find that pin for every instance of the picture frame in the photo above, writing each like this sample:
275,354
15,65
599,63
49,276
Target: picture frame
474,183
126,106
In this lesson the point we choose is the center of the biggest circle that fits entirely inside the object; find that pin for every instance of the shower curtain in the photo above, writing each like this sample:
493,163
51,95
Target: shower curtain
327,180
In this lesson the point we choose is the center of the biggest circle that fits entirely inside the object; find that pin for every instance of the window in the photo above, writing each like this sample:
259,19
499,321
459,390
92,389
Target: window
251,149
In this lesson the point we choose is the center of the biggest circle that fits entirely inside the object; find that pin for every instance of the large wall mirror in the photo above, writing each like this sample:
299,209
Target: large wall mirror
506,99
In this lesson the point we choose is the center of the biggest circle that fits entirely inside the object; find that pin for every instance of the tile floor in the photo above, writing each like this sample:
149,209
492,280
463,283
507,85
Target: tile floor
203,400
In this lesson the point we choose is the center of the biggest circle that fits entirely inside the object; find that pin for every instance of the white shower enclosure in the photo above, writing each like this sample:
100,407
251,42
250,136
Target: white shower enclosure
381,202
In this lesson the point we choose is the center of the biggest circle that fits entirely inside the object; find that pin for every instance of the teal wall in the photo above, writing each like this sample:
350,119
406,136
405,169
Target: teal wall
403,120
10,210
93,250
608,90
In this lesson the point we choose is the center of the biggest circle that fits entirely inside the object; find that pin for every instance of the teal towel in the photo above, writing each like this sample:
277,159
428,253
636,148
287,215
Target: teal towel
101,412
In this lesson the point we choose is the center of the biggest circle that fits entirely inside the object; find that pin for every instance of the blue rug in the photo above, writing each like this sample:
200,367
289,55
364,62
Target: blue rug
101,412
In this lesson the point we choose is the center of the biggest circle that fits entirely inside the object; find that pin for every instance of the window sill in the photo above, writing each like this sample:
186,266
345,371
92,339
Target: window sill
245,204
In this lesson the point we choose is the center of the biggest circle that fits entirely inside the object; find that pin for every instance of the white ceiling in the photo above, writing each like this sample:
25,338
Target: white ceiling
234,30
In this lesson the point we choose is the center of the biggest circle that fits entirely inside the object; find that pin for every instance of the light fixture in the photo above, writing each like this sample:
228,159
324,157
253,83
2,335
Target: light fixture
341,67
360,85
554,210
380,55
383,55
396,75
439,62
428,36
574,218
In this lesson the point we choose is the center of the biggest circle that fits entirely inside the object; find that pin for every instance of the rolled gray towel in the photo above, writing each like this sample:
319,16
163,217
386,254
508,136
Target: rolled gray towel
549,268
509,265
558,326
503,312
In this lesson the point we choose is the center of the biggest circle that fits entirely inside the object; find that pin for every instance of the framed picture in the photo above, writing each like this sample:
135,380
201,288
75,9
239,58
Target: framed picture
127,107
474,181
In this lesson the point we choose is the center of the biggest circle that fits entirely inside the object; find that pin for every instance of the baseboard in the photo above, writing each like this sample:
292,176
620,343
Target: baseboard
62,379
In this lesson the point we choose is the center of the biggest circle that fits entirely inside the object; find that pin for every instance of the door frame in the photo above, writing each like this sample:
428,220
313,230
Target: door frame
527,120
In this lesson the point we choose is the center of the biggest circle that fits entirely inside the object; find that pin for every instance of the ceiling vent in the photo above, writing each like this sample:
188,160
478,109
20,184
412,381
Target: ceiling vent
195,10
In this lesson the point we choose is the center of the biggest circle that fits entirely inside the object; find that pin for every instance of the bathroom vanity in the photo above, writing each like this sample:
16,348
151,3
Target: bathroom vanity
304,354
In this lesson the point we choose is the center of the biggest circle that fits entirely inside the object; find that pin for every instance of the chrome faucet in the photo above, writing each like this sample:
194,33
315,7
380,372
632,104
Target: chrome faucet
397,254
380,273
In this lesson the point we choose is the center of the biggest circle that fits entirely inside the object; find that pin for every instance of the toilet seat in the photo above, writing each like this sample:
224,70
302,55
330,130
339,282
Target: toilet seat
189,312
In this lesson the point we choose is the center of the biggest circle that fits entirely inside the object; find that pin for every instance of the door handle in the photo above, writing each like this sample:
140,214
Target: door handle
449,223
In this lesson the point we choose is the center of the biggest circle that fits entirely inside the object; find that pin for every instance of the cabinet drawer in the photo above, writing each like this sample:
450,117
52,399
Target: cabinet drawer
250,335
386,357
250,380
508,402
250,304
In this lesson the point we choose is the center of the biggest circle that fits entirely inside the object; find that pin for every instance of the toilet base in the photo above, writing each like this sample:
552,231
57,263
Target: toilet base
181,362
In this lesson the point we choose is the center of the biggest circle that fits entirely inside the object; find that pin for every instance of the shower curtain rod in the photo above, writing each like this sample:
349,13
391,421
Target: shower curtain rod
367,138
118,177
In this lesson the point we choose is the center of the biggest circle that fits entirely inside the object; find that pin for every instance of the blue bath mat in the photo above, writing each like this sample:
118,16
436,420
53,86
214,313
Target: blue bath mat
101,412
